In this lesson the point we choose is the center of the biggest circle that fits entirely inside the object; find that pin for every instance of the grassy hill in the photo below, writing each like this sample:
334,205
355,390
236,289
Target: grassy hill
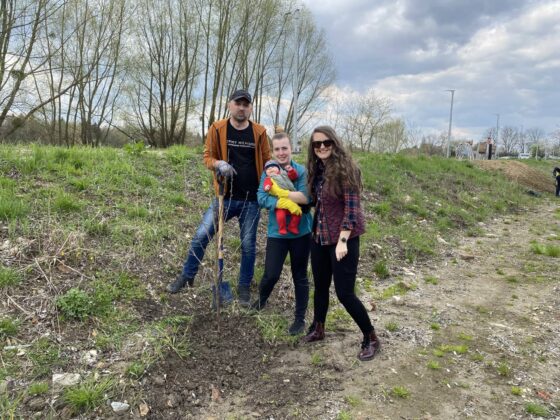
90,237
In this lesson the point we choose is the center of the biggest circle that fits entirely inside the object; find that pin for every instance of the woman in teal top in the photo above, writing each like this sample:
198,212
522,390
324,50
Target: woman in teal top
279,245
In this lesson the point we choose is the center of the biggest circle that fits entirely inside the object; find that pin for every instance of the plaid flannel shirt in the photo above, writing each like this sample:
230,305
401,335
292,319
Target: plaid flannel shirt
334,215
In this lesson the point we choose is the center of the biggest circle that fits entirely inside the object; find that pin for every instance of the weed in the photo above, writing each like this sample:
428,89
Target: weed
465,337
8,277
400,392
135,149
274,329
9,406
434,364
11,207
391,326
316,359
380,268
88,395
515,390
500,271
66,203
431,280
503,369
45,356
457,349
537,410
344,415
438,353
338,318
477,357
435,326
8,327
400,288
512,279
38,388
352,400
549,250
80,305
136,370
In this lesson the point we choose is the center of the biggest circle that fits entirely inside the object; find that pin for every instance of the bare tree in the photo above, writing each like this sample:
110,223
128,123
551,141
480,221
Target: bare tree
166,72
363,118
21,59
509,139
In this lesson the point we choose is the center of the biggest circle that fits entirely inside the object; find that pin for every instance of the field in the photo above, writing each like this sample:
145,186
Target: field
459,270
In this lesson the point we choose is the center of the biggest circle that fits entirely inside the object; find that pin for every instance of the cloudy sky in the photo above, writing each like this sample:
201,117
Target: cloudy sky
500,56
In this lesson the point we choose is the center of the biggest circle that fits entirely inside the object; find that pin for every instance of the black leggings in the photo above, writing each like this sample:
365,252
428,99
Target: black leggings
276,251
558,186
325,267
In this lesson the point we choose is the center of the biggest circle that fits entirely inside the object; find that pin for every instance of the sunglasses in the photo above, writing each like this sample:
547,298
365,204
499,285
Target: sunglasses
327,143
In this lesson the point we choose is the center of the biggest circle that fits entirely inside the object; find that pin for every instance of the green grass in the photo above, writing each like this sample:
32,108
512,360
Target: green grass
537,410
391,326
431,280
89,395
8,327
434,365
9,277
38,388
274,329
515,390
503,369
380,268
400,392
549,250
398,289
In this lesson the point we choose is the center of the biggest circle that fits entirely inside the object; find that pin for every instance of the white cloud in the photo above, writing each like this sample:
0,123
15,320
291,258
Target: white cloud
501,57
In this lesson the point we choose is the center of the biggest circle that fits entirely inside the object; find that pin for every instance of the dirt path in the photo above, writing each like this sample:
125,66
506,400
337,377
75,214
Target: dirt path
463,347
476,336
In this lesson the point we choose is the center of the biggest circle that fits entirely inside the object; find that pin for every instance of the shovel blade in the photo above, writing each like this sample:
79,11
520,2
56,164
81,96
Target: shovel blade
222,295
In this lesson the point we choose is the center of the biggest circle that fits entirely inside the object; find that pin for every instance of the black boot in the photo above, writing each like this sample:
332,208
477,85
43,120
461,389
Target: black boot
179,283
244,295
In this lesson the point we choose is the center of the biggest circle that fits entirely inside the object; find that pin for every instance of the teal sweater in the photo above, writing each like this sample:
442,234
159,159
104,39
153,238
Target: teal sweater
268,201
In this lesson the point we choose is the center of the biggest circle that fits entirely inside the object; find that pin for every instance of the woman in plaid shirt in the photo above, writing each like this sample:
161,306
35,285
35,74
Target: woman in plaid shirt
335,186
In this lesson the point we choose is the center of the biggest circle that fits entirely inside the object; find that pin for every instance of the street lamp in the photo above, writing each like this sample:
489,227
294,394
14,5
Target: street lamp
497,133
450,120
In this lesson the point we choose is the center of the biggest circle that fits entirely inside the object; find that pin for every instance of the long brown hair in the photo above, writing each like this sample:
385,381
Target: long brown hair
340,172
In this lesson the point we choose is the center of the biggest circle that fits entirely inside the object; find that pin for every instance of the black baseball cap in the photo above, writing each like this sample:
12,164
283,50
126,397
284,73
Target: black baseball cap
241,94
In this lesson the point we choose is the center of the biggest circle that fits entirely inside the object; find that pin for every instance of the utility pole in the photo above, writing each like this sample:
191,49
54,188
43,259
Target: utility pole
295,138
497,133
450,120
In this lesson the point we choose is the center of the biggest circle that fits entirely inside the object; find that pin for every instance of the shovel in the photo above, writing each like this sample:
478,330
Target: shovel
221,290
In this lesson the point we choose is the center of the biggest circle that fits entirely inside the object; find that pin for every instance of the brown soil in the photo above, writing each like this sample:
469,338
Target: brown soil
521,173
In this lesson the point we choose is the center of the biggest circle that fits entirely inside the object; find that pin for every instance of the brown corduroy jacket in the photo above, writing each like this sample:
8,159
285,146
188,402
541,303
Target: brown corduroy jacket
215,147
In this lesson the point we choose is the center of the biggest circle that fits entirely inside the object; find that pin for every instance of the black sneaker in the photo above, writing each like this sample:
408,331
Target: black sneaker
297,327
244,295
179,283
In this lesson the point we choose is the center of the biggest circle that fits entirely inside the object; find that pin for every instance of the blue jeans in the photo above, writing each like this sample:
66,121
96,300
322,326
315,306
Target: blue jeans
248,214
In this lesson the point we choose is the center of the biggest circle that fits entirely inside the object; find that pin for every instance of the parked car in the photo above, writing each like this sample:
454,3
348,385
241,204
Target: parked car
523,156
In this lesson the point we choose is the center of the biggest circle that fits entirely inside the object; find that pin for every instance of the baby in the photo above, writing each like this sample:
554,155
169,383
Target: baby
274,174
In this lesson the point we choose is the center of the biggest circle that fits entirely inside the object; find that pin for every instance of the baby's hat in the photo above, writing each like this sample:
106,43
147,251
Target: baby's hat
270,163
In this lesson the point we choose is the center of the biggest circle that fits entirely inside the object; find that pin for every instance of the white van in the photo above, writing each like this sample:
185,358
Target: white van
523,156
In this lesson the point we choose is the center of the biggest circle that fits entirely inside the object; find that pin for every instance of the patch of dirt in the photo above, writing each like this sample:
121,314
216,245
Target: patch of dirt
521,173
454,349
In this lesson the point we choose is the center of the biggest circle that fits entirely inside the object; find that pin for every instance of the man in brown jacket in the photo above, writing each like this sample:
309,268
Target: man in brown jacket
237,149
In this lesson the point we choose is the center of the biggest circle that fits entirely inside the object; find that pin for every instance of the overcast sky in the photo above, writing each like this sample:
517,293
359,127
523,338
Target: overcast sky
501,56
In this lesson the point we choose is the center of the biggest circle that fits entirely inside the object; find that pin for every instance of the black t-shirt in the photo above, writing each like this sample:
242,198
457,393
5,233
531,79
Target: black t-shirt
241,154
